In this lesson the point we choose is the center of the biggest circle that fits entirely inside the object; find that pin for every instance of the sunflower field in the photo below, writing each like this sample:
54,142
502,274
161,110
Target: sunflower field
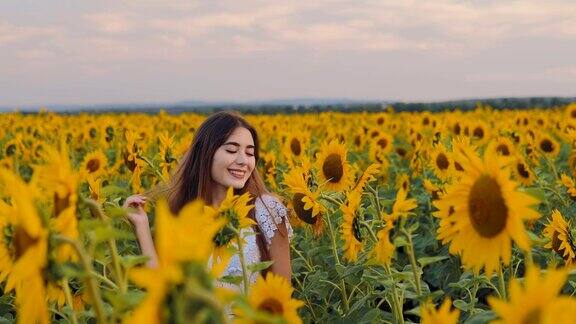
398,217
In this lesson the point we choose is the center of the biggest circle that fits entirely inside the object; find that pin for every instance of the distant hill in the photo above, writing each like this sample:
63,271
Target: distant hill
307,105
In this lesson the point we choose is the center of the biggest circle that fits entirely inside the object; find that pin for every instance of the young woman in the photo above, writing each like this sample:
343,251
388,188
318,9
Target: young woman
223,154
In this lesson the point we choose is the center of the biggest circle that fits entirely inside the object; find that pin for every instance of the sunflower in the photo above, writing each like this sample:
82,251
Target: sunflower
434,191
462,151
234,212
350,230
368,175
24,249
522,172
57,179
166,154
94,164
557,231
272,297
401,207
443,315
403,182
537,300
480,132
572,162
384,142
332,166
482,213
269,161
384,250
304,202
569,184
571,112
441,162
504,147
379,148
294,148
548,145
174,245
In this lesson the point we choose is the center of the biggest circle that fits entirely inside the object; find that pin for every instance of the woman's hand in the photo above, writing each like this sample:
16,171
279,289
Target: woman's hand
138,217
135,210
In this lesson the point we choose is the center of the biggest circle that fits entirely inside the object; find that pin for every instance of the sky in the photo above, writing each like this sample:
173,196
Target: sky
145,51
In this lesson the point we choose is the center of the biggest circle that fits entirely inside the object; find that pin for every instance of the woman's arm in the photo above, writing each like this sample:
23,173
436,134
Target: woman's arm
280,252
139,219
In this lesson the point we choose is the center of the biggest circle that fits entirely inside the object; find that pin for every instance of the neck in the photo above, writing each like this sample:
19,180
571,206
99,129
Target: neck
218,195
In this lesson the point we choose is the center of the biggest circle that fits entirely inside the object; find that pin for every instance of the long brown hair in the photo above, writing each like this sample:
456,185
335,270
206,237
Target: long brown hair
193,179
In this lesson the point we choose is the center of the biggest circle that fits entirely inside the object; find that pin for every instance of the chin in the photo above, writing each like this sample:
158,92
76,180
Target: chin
237,184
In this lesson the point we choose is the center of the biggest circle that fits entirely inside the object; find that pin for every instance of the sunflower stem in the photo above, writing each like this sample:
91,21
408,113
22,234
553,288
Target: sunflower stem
370,231
332,200
97,212
337,260
154,168
91,285
398,313
302,257
473,297
376,198
412,255
207,297
308,303
69,300
243,263
502,283
529,261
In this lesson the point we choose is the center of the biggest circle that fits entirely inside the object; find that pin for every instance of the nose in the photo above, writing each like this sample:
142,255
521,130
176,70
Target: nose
241,159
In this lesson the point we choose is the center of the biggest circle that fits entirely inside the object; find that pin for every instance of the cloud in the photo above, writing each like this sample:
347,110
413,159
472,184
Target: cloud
110,23
11,33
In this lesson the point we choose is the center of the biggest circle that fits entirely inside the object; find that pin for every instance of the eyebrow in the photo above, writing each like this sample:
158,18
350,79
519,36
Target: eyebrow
237,145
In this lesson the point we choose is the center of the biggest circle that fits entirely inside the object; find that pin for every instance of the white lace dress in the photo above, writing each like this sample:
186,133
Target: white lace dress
267,217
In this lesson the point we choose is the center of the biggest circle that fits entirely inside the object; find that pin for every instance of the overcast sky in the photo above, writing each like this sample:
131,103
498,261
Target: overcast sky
121,51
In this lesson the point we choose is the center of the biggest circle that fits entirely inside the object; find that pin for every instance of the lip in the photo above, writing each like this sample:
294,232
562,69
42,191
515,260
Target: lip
236,173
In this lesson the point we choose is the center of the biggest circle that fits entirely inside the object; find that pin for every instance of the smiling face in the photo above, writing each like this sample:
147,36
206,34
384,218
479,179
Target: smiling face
234,160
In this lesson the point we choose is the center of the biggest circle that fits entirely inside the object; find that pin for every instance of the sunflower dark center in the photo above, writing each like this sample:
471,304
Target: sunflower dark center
503,149
478,132
272,306
573,113
534,316
356,229
22,241
458,166
401,152
521,168
333,168
457,129
93,165
556,242
487,208
10,150
303,214
442,161
380,120
546,145
382,143
357,140
295,147
60,203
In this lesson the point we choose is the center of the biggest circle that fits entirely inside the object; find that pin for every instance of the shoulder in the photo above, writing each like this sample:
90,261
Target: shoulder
268,204
270,212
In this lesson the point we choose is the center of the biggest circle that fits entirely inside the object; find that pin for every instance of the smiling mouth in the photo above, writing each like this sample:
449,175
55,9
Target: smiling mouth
238,174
